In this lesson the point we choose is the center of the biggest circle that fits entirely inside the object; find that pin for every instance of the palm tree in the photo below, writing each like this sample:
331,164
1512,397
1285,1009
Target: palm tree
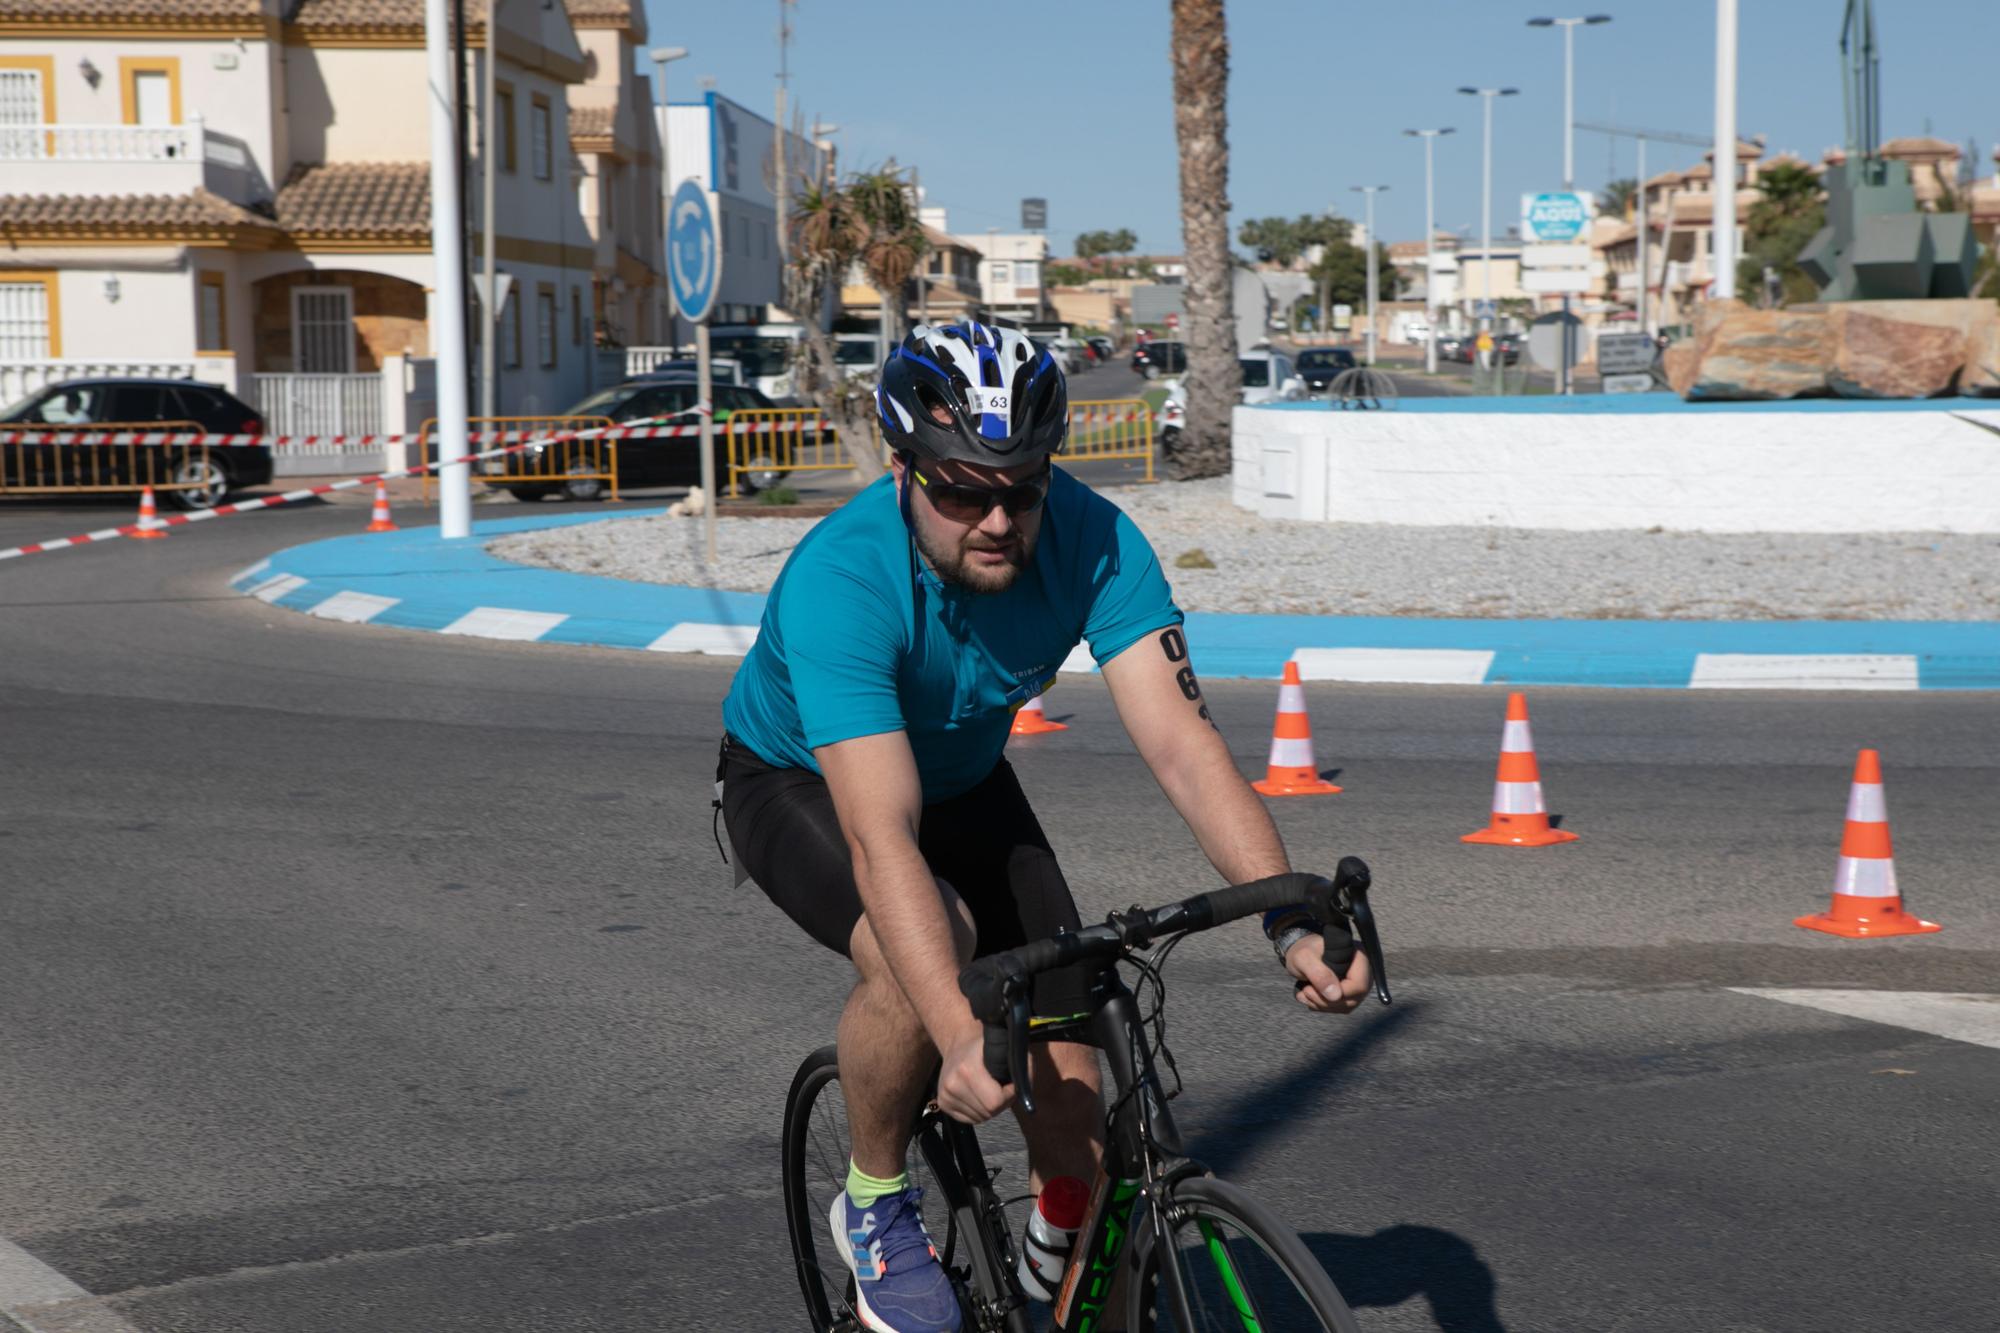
1201,123
1617,197
885,201
828,235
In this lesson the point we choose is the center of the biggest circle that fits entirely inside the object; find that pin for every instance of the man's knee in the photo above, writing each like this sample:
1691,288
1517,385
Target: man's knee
873,965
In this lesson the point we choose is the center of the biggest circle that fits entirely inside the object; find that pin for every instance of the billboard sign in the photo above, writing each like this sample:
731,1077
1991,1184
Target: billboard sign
1034,214
1559,215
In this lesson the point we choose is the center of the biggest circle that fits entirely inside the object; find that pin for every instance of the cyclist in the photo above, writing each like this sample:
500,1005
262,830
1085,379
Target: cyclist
864,789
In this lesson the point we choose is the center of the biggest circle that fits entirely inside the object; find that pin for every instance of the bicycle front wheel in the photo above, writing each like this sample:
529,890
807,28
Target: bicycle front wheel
1242,1270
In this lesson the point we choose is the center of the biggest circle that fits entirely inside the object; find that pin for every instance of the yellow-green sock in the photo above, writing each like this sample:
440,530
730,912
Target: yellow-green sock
865,1189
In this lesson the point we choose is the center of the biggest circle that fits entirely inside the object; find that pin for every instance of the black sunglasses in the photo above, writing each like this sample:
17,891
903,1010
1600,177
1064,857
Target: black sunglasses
971,504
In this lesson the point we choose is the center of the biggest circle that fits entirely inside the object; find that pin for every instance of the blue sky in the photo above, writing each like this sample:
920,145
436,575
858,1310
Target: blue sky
1073,102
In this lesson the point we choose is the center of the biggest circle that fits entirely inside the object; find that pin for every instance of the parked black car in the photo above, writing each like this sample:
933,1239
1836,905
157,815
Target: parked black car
1104,348
642,462
201,476
1318,365
1158,358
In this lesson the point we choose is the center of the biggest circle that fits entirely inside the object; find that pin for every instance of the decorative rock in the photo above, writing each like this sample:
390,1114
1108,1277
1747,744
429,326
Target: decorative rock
1892,358
1982,360
1761,354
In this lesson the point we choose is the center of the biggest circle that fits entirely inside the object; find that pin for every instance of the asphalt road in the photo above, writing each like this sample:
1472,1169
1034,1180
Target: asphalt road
361,980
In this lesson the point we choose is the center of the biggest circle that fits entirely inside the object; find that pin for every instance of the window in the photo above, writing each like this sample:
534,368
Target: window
211,332
540,154
576,316
27,97
503,125
72,405
510,330
323,330
29,327
1002,274
545,324
149,90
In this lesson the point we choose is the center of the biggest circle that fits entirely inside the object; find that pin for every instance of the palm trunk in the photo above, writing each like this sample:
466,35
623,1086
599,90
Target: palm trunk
1201,122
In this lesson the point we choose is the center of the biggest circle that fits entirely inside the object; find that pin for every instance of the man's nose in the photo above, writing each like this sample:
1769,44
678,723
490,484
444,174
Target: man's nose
998,522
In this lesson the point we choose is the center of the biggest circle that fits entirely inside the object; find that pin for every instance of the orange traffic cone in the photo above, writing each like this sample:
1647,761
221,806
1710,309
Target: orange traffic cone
1866,902
1291,770
1519,818
1030,720
379,521
149,527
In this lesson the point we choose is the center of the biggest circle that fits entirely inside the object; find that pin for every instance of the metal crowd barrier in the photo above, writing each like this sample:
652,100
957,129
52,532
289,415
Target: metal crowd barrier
57,468
783,440
1110,428
563,456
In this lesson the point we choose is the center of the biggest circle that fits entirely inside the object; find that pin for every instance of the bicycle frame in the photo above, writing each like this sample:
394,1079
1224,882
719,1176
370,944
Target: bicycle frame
1142,1153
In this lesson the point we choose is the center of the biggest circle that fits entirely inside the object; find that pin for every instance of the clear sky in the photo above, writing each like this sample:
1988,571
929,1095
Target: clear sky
1073,102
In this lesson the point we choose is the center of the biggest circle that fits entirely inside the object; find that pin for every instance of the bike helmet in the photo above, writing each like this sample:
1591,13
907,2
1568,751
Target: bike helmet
1000,393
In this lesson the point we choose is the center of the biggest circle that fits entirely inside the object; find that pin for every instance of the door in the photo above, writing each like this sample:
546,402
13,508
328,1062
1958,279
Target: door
152,98
323,330
21,107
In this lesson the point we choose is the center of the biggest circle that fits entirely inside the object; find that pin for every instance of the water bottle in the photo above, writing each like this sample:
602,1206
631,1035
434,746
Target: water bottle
1051,1235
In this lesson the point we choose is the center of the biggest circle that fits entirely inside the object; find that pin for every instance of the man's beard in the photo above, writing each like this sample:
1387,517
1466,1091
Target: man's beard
953,565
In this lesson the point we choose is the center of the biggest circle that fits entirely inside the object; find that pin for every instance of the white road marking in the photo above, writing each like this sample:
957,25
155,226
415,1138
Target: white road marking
496,622
1957,1015
717,640
271,589
1399,666
1079,660
356,608
27,1285
1803,671
253,571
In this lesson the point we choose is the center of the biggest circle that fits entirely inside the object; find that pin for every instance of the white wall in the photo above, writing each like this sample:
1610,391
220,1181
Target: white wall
1713,470
152,317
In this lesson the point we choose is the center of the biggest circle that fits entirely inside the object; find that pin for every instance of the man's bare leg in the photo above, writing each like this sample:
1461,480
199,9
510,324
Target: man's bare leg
1066,1133
886,1056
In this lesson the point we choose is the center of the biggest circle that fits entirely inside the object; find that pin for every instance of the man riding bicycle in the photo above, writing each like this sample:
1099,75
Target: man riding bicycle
863,783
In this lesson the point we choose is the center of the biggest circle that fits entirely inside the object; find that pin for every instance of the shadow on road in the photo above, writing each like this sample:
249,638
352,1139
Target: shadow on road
1400,1262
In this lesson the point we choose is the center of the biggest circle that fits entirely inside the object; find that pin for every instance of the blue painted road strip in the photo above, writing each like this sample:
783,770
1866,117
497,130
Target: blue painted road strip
414,580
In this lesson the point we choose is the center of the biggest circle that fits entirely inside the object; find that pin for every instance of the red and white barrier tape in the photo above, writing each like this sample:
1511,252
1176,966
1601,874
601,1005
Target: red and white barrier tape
366,441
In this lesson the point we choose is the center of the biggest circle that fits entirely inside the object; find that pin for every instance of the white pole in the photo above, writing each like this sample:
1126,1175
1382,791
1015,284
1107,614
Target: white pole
666,199
705,398
1373,331
1486,213
448,277
1724,179
1430,261
1569,104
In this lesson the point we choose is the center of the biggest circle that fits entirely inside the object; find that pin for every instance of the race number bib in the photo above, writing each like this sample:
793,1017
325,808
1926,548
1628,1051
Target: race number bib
989,400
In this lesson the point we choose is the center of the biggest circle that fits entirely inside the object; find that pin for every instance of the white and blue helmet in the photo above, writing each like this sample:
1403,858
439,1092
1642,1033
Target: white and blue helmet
1002,393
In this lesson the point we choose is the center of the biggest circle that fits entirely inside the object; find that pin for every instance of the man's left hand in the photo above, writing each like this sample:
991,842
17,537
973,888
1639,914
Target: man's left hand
1325,993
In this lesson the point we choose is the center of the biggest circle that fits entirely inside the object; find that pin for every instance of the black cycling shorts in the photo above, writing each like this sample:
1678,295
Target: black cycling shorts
985,843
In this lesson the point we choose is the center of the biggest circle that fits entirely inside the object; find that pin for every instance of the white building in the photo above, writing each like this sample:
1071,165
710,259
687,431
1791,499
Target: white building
1010,273
240,190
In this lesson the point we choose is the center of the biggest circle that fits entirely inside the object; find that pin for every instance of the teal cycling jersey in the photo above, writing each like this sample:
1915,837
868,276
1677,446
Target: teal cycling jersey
860,637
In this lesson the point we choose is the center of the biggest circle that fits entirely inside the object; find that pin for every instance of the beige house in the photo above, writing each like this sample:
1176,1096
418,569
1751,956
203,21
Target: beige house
239,190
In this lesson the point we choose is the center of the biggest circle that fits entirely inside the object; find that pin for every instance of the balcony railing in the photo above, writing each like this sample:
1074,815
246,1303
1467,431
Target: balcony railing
104,143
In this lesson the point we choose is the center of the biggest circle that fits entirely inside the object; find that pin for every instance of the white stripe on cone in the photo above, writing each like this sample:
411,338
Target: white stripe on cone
1865,804
1517,798
1291,753
1866,877
1515,738
1291,698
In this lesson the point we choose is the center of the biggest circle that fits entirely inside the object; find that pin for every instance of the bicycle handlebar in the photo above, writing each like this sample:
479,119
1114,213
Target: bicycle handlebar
997,986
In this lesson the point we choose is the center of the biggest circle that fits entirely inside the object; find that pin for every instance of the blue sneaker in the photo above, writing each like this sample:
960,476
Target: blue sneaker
899,1281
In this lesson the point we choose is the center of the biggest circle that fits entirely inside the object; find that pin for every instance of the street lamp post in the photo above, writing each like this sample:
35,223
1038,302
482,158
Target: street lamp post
662,57
1430,138
1486,96
1569,27
1369,192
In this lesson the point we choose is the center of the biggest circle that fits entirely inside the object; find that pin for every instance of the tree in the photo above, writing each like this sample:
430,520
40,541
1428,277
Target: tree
1092,246
1789,211
1066,275
1200,54
884,199
1342,272
827,235
1618,197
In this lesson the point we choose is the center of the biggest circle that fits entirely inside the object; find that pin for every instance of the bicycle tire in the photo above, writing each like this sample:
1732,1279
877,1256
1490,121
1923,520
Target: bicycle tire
1209,1207
814,1152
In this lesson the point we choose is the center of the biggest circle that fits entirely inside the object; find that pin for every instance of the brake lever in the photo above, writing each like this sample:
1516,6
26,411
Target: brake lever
1355,901
1018,1008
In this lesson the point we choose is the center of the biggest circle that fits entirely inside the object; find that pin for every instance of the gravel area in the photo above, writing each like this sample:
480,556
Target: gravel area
1270,566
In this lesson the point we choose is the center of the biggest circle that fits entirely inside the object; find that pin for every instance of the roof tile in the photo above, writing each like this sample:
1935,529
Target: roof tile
135,11
592,122
122,212
358,199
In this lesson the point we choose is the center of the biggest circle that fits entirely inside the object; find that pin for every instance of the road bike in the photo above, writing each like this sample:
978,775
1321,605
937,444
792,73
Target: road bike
1196,1254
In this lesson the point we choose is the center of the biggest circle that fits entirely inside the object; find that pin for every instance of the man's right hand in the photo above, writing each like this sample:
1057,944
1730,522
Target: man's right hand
965,1090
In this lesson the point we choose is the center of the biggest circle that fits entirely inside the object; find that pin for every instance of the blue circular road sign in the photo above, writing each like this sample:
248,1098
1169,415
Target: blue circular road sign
694,255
